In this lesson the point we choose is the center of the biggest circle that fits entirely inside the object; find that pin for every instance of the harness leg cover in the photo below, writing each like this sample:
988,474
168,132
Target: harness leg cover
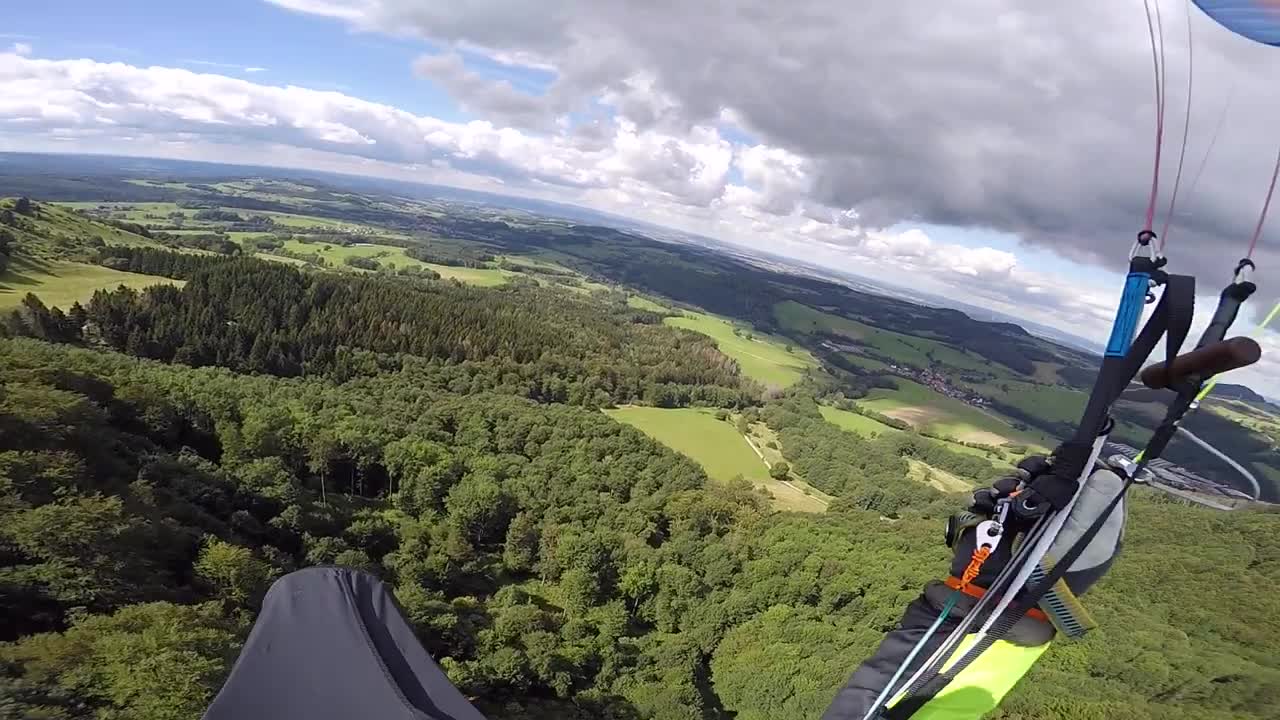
980,687
333,644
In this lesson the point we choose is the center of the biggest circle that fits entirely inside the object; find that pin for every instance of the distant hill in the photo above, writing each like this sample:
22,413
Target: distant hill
1004,358
1242,393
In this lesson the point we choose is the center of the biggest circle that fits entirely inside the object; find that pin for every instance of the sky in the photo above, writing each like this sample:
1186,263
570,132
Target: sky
997,152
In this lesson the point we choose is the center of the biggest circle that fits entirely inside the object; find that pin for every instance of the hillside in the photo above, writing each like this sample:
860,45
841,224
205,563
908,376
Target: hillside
1227,391
603,480
50,250
1020,390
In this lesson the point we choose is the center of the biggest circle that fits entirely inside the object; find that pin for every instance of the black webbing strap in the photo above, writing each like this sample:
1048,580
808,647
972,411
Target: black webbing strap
1171,320
1229,302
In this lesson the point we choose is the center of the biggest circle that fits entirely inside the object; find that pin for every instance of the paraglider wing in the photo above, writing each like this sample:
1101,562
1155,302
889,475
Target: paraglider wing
1257,20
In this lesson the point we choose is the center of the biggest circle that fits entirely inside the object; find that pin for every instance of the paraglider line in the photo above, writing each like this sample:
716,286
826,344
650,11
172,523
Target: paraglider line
1164,67
1266,205
1163,238
1155,61
1217,130
886,693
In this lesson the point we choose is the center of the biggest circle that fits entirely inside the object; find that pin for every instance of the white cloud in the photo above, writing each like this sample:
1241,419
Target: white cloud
496,100
1032,119
21,48
250,69
116,100
784,178
352,10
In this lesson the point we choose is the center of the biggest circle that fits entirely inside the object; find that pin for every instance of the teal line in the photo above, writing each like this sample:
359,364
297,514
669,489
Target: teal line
942,617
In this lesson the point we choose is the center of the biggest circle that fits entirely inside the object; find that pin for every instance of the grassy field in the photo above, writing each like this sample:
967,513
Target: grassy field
714,444
869,428
642,303
60,284
1050,402
865,362
763,359
44,253
483,277
159,184
294,220
54,221
141,208
942,415
146,213
395,257
920,352
853,422
1246,416
916,470
388,255
796,493
717,446
281,259
149,213
242,235
940,479
1047,372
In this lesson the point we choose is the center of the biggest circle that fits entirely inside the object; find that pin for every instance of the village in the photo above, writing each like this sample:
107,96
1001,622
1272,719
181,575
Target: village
936,381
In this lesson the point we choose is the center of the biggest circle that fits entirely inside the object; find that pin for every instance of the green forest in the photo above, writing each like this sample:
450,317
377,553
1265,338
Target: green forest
167,452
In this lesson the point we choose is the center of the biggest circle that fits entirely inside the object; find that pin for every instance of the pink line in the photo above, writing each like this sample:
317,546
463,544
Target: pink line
1186,129
1155,175
1266,205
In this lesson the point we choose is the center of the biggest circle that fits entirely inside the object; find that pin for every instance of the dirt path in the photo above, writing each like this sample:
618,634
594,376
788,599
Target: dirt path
765,460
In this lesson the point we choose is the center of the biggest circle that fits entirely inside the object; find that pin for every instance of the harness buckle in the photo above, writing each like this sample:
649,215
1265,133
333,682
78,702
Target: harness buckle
1244,271
988,535
1127,467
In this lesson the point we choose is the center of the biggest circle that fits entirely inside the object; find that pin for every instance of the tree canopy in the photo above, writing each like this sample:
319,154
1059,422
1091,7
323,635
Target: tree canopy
556,562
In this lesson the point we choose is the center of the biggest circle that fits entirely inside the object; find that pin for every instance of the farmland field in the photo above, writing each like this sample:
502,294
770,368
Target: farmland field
395,257
939,479
763,359
1052,403
906,349
156,213
865,362
928,410
643,303
714,444
869,428
853,422
291,220
717,446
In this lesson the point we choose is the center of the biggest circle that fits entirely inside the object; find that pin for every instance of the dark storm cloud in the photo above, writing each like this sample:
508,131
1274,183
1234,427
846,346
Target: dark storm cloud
1032,118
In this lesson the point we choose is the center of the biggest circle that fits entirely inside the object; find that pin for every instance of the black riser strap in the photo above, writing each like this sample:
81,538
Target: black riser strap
1229,302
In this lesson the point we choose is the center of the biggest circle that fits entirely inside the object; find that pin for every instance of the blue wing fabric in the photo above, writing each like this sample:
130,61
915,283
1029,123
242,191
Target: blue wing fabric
1257,20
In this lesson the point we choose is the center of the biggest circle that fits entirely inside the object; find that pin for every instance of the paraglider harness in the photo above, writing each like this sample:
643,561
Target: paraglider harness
1037,509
